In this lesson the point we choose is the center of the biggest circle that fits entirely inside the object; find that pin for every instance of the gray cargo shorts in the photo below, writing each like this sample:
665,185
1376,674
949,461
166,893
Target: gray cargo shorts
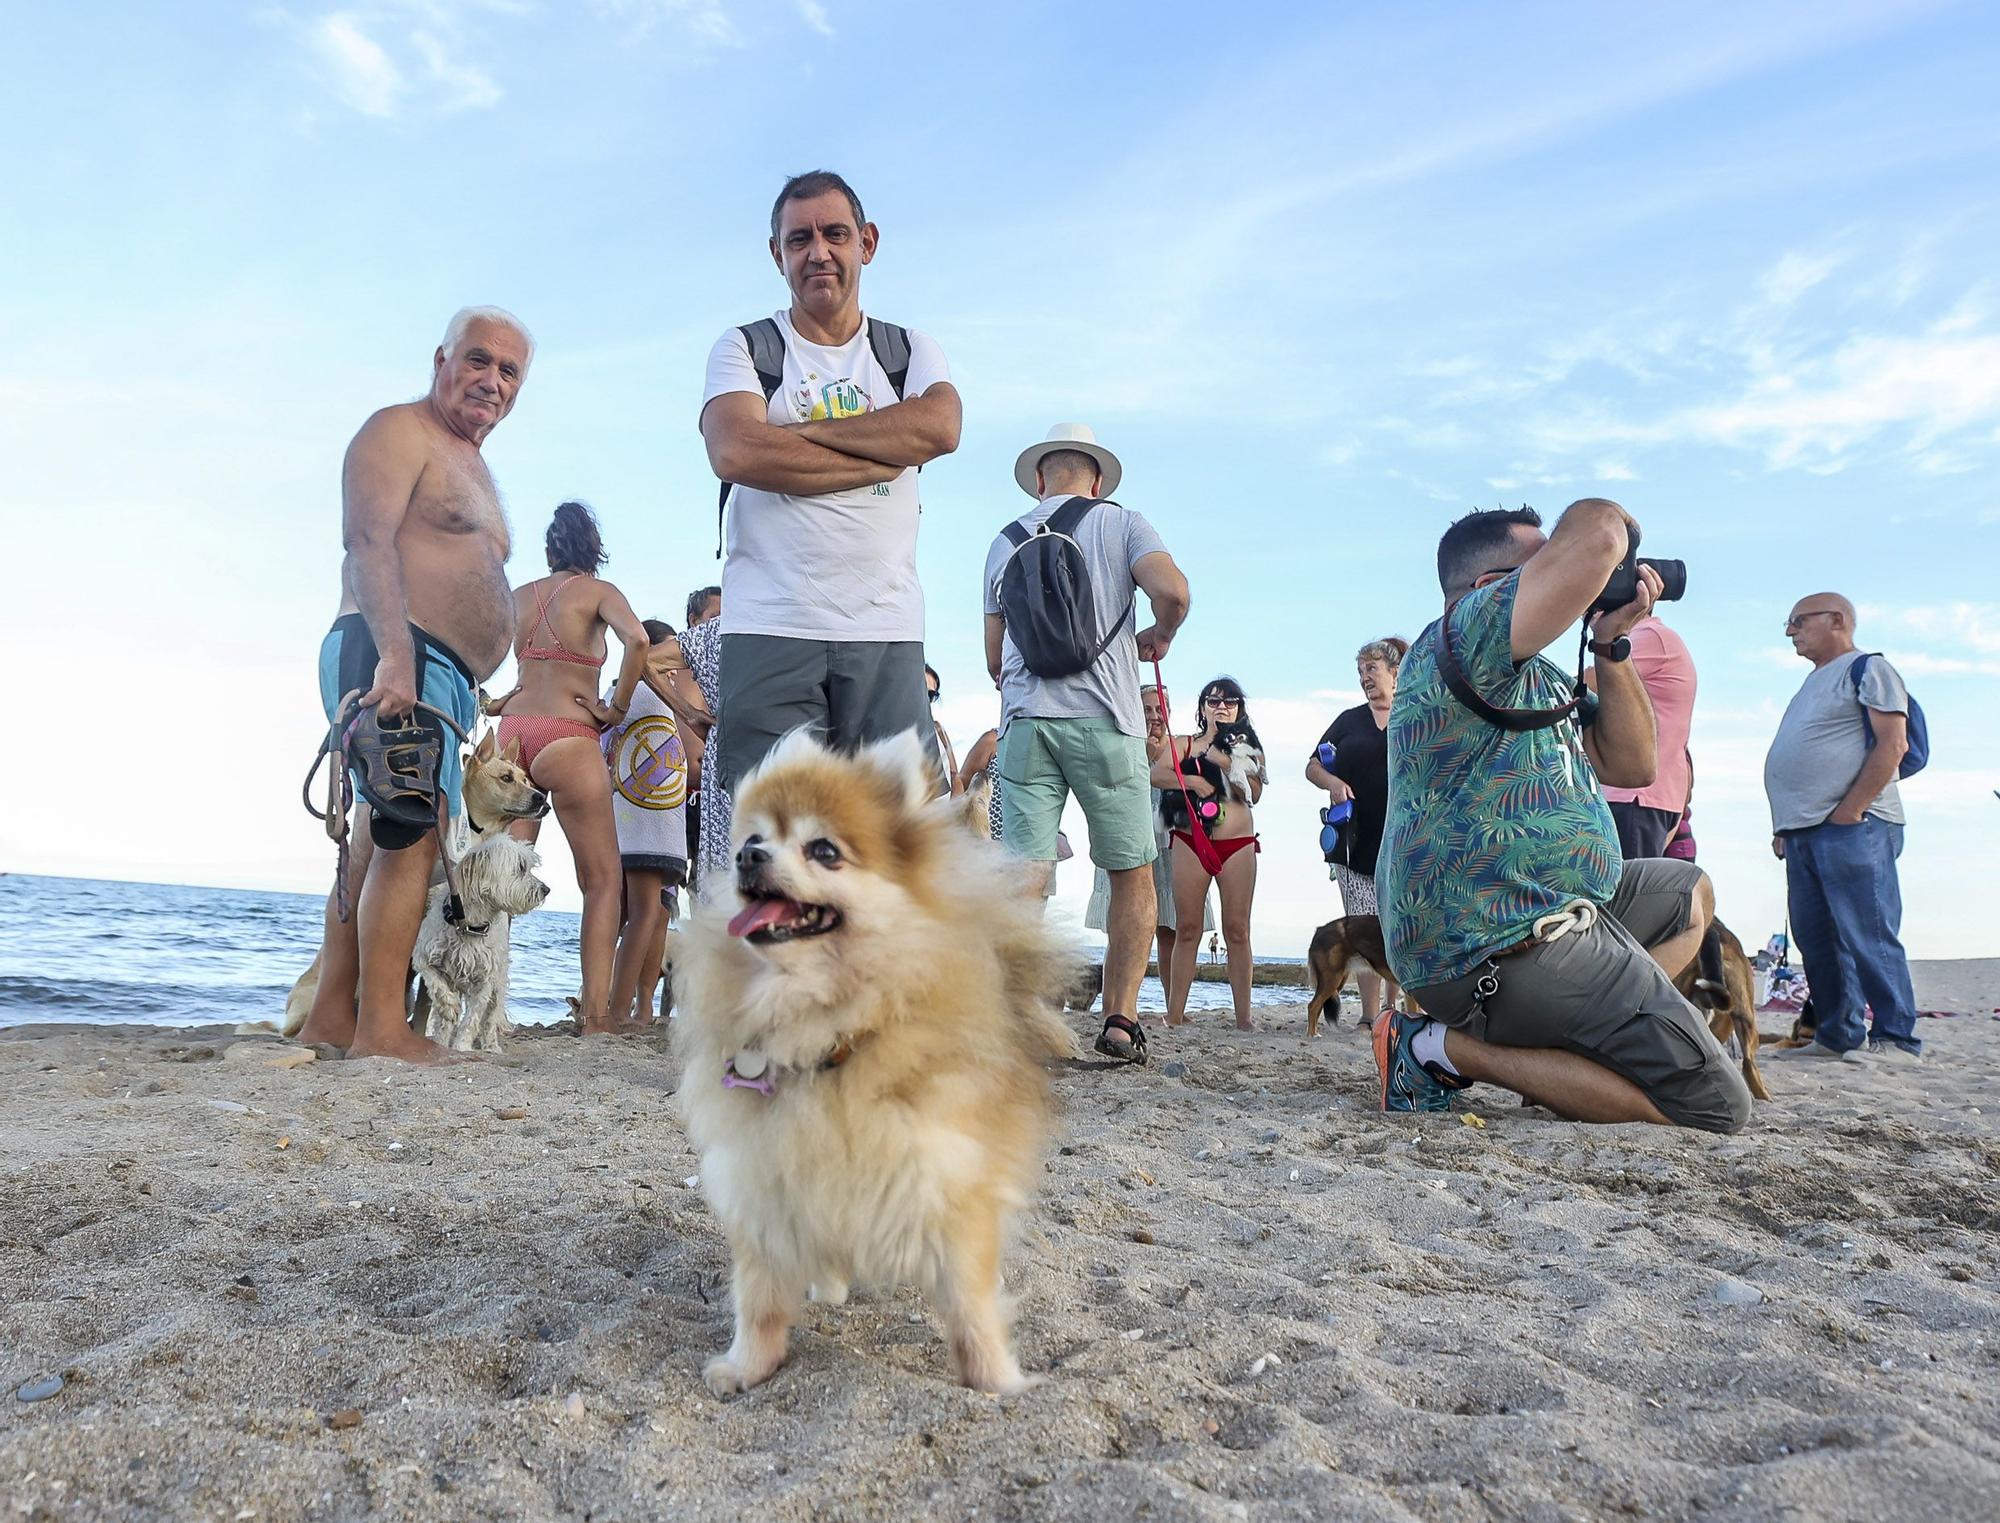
847,692
1600,994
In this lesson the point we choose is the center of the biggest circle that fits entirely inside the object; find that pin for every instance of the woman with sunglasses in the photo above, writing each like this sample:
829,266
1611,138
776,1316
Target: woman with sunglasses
1234,836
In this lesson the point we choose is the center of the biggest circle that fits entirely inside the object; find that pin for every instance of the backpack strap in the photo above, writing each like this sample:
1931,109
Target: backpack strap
1066,518
766,344
1063,523
1855,672
891,346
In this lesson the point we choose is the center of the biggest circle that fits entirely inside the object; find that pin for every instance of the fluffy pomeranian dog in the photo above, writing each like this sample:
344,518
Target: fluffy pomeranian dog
867,1012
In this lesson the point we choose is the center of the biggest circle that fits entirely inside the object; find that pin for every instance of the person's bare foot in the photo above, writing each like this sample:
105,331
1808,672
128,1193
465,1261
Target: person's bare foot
331,1031
407,1047
609,1027
1247,1025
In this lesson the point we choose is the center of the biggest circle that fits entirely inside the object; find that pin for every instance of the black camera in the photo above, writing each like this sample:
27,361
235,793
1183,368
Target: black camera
1624,583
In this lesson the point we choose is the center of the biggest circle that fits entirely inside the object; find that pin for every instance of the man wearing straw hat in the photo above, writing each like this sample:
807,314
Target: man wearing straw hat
1084,732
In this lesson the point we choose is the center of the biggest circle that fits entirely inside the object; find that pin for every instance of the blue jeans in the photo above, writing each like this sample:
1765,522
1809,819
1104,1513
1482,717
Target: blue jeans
1847,916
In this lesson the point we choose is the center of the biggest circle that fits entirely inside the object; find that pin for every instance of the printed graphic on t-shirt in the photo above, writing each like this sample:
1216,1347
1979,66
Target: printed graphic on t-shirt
815,401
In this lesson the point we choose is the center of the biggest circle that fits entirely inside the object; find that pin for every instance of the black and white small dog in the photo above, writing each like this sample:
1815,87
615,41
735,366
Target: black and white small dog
1234,757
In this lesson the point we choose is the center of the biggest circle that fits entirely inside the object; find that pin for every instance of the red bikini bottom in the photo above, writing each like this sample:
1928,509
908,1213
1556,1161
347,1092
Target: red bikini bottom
537,731
1224,850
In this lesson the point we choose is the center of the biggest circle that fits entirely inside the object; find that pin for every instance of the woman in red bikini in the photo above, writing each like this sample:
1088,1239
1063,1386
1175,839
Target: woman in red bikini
555,713
1234,837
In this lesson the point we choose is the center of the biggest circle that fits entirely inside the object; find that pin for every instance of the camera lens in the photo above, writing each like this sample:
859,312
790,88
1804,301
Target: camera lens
1673,578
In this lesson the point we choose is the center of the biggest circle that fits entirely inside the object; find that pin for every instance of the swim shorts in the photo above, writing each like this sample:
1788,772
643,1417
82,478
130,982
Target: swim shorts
347,658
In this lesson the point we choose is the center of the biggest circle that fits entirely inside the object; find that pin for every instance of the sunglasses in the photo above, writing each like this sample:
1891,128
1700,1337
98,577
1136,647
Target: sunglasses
932,694
1215,702
1798,620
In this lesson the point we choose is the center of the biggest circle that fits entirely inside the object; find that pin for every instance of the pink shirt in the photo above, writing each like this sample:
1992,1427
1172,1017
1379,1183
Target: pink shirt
1662,661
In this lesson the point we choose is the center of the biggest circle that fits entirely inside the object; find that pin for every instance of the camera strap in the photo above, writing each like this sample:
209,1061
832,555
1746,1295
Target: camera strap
1582,705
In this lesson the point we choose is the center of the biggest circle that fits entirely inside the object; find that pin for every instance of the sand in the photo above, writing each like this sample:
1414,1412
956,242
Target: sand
349,1290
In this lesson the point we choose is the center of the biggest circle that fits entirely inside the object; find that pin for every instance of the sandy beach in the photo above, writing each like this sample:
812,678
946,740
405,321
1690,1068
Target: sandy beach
348,1290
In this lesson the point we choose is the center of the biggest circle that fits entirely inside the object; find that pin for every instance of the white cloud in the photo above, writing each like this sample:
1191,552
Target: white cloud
1794,275
387,58
465,88
1962,628
1614,470
364,76
815,17
707,21
1929,385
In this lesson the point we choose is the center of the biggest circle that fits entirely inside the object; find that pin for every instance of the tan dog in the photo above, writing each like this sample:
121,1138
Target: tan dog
495,792
1352,944
866,1015
1731,1011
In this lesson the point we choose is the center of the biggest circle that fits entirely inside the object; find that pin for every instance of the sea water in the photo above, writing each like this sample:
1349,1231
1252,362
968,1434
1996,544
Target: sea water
79,949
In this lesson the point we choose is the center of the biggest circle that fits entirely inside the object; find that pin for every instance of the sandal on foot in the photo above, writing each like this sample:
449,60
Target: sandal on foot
1131,1051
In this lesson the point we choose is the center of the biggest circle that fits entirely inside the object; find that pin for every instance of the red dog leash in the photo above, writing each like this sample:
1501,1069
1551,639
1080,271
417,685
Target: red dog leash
1204,849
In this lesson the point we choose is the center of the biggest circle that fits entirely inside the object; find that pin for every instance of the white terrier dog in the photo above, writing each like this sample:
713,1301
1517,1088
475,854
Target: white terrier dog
463,967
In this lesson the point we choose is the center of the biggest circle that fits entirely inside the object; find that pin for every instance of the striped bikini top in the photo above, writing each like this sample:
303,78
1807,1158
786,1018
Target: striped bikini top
557,651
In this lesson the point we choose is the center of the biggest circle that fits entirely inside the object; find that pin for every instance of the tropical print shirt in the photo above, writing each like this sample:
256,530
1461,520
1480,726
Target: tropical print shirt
1488,829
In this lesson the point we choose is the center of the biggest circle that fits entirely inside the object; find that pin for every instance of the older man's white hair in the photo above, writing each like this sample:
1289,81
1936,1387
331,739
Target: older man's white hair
463,319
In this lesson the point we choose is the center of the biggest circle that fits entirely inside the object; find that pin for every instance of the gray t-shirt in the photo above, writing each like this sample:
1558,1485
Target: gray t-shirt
1112,539
1823,740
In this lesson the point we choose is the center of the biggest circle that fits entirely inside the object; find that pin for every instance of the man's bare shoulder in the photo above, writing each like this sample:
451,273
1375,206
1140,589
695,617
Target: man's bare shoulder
404,426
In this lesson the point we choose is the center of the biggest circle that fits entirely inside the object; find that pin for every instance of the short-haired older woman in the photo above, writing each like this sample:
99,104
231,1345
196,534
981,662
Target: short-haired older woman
1360,773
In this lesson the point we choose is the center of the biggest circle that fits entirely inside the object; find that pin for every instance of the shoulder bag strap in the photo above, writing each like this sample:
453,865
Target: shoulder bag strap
1516,720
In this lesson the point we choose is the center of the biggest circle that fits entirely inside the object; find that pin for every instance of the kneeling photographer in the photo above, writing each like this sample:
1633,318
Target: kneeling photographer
1539,956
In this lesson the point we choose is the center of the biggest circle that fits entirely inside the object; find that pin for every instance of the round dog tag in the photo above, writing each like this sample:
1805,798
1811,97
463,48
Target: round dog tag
748,1065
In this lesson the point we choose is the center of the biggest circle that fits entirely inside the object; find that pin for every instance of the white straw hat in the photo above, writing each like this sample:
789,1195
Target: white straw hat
1070,436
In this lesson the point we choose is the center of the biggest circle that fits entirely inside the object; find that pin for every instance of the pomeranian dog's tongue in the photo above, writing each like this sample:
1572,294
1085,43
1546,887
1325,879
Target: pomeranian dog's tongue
759,913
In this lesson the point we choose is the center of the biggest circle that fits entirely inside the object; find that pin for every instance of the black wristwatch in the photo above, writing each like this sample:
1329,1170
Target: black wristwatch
1613,651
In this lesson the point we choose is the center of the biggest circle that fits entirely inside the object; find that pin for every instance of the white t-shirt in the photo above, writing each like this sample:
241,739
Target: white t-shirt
837,567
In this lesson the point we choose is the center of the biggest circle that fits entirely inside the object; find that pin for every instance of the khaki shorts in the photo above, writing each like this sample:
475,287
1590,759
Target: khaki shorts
1043,761
1599,993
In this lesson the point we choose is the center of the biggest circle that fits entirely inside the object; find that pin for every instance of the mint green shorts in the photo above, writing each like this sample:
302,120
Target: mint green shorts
1044,761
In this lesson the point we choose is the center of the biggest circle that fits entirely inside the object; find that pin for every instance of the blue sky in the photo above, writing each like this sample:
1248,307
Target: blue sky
1325,277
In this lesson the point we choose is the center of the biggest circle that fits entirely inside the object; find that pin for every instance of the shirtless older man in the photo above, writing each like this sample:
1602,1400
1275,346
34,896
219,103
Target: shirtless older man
425,613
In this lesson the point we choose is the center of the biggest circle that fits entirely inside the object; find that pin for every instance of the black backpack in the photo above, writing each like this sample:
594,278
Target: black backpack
889,343
1046,597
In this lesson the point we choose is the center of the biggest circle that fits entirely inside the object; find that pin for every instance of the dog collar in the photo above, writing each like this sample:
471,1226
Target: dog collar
753,1070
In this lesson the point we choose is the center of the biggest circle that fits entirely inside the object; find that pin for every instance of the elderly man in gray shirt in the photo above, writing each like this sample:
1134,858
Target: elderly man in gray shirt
1084,734
1838,823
